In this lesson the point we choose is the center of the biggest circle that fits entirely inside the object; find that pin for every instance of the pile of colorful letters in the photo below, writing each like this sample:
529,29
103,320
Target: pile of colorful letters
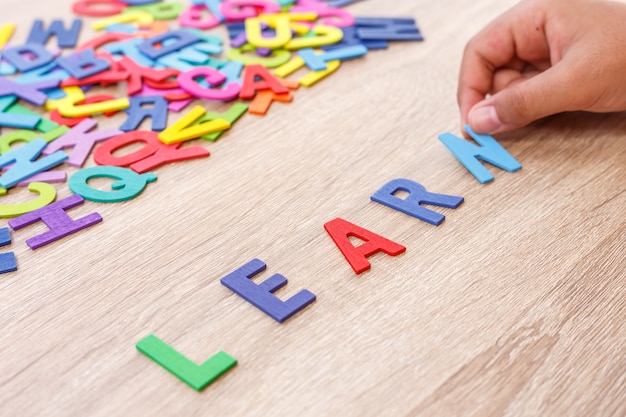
164,54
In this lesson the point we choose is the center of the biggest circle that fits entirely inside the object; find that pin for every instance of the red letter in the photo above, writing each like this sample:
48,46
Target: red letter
340,230
154,154
257,77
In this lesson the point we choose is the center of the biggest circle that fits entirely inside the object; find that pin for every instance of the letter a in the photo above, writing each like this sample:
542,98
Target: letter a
340,230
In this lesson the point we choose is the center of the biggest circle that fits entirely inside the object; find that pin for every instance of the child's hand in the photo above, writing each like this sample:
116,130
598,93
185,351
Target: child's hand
544,57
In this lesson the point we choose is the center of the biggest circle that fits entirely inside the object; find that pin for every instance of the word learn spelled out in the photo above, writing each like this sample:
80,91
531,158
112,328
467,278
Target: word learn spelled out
167,60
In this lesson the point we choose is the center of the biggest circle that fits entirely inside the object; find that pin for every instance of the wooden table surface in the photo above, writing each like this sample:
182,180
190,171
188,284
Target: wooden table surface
514,306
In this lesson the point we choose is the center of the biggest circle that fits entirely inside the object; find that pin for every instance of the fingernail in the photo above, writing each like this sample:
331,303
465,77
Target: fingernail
484,120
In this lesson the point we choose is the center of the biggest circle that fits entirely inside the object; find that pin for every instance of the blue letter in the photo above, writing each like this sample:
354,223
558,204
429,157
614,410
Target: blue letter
317,61
25,165
489,151
66,38
83,64
261,295
417,195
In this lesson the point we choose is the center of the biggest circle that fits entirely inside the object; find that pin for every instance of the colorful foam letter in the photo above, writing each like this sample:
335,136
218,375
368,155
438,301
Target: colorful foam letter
326,35
81,141
129,184
154,154
28,56
140,17
212,5
66,38
387,29
24,136
331,16
137,112
71,110
84,63
29,92
158,10
264,99
45,127
256,78
47,194
489,151
231,116
8,263
196,376
340,230
181,38
25,164
275,59
255,37
138,73
240,10
98,8
16,121
260,295
6,31
312,77
418,195
317,61
55,217
192,18
214,78
184,129
103,155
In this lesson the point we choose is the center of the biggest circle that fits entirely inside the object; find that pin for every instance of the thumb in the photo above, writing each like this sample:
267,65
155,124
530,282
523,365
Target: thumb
553,91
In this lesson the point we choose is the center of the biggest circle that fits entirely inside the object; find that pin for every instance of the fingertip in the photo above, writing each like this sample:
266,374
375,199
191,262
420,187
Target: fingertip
483,119
467,100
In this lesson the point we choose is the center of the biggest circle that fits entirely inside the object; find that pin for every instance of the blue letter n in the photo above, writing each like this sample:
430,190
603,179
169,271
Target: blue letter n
489,151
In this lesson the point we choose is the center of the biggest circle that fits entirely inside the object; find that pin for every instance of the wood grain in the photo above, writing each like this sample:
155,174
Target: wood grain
514,306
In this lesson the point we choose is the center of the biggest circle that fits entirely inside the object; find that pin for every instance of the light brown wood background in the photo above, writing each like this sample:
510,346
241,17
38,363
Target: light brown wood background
514,306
